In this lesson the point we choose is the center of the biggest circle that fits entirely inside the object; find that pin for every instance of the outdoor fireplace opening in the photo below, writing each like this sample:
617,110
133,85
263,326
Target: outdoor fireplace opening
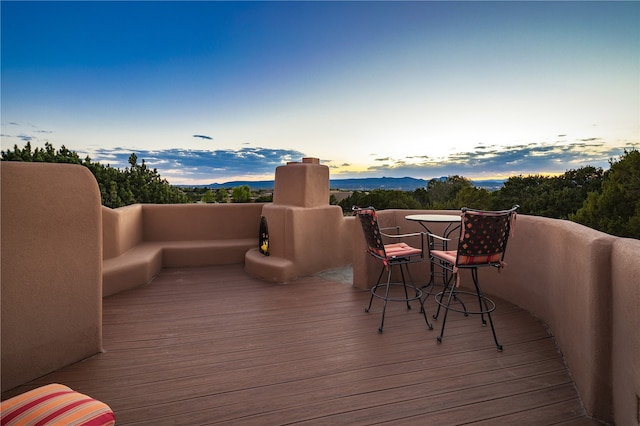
263,240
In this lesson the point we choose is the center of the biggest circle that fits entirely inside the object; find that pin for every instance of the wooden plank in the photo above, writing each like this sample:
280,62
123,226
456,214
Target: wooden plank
565,412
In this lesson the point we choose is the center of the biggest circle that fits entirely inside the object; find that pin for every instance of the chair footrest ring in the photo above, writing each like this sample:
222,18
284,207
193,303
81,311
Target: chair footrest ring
491,306
410,288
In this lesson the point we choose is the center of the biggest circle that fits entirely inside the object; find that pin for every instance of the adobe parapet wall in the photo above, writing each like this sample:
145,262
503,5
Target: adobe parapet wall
625,335
583,283
51,295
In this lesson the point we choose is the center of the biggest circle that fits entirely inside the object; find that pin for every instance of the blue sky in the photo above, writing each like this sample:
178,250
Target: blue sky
219,91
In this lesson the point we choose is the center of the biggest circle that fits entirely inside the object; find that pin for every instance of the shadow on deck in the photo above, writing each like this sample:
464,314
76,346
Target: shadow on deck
214,345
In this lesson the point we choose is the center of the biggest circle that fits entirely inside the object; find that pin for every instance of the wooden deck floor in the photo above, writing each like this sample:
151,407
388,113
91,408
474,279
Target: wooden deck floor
213,345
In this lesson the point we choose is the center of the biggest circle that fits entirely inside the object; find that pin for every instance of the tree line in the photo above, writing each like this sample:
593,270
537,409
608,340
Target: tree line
606,200
137,183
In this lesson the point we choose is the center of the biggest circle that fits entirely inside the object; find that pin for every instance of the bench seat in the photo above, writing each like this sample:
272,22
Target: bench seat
178,254
138,265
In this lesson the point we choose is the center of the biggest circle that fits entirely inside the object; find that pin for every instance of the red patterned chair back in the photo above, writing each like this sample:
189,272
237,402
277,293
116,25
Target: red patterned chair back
484,236
369,221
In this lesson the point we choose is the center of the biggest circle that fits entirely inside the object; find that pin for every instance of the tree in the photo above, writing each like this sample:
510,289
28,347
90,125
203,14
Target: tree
136,184
264,197
421,196
208,197
380,199
47,155
147,186
475,198
241,194
441,194
615,209
520,190
222,196
549,196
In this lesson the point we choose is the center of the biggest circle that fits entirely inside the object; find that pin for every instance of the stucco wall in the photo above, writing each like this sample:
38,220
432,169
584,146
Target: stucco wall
121,229
302,241
51,281
561,272
302,184
197,222
306,234
626,331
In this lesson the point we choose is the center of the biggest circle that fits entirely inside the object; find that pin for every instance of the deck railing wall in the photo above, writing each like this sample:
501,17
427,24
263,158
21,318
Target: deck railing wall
51,275
625,333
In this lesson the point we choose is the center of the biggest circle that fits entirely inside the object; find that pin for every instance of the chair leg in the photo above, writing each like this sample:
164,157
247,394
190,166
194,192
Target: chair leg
423,311
386,299
474,275
446,309
444,290
481,300
417,296
404,284
430,285
373,290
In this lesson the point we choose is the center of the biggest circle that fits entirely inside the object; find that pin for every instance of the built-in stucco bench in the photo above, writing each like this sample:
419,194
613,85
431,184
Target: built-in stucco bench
138,265
140,240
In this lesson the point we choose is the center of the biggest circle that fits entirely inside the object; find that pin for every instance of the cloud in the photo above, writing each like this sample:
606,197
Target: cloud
25,132
26,138
188,165
203,137
499,161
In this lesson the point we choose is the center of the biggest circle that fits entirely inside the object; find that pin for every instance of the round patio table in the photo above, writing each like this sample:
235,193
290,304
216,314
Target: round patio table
453,223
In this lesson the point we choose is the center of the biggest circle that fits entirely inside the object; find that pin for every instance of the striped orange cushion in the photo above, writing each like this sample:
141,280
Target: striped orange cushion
447,256
55,404
400,249
450,256
480,259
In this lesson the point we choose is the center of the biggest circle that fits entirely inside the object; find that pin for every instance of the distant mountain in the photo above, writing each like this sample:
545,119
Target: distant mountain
364,184
253,184
367,184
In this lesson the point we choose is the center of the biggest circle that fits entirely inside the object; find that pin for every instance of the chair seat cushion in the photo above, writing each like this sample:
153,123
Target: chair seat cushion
55,404
447,256
400,250
450,256
480,259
